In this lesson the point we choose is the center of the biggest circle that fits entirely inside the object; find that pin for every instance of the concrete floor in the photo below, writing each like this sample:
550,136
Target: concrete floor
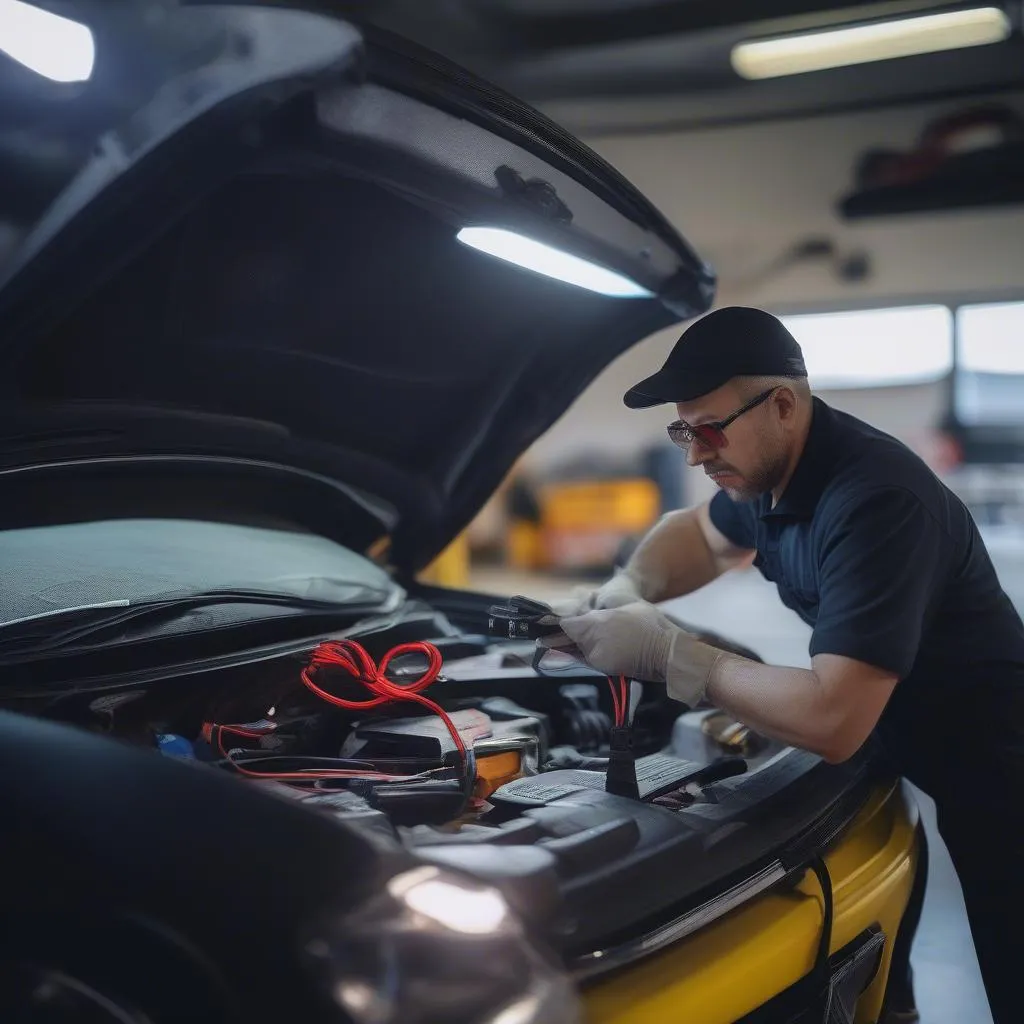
746,608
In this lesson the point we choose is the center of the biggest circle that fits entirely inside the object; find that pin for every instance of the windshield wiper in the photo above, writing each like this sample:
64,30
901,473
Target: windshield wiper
23,636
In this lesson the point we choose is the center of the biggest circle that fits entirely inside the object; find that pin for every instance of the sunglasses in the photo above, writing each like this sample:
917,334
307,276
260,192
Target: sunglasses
712,435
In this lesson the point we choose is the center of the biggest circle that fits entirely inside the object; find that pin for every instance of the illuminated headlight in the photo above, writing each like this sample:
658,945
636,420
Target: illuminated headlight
470,911
433,947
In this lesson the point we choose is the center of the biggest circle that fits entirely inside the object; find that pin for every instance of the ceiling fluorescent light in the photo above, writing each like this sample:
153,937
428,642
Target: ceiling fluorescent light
551,262
861,44
59,48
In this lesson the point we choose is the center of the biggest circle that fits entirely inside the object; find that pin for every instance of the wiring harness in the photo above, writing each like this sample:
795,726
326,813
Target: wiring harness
620,701
620,778
351,658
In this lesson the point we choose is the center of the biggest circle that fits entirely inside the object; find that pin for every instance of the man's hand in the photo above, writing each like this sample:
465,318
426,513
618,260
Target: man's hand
620,590
639,642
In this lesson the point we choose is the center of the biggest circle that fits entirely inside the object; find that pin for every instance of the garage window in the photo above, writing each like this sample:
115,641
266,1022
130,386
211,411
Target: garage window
989,381
870,348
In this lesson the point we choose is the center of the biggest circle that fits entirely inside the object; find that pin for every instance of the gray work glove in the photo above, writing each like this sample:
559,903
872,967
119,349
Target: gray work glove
620,590
639,642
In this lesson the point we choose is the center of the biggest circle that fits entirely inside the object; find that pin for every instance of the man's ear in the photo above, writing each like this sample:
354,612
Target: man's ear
785,402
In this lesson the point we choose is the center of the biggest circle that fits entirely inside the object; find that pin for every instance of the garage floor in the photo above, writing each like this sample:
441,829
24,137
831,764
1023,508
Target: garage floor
746,608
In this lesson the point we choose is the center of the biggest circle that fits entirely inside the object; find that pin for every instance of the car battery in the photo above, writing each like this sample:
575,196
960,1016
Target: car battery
405,745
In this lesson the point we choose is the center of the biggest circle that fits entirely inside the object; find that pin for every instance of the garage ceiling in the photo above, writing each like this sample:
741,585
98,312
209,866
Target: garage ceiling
608,66
599,67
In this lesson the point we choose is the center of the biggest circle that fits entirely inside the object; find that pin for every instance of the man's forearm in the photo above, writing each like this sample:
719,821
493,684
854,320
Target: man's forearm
790,705
673,559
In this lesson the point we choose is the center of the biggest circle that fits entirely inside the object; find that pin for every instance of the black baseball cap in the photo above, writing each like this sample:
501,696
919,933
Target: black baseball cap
735,341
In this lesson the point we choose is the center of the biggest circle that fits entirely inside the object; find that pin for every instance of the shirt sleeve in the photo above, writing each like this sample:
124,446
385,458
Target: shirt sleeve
734,521
881,570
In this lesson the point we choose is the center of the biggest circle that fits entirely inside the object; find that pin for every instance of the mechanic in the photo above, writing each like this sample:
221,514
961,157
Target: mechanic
915,646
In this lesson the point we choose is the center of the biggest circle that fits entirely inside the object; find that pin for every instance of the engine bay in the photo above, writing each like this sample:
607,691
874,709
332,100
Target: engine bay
424,747
468,752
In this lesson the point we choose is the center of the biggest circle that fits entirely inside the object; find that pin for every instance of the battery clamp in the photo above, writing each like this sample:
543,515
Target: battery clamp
521,619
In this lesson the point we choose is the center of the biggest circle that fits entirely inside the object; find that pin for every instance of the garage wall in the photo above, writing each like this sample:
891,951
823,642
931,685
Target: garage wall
744,195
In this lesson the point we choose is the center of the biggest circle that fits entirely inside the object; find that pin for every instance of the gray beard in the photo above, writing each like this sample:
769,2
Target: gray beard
761,482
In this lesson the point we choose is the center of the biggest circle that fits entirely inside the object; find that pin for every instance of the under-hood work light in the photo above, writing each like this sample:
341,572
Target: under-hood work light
56,47
860,44
545,259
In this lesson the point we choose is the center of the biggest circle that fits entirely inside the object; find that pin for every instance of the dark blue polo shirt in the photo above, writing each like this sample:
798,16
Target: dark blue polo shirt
886,564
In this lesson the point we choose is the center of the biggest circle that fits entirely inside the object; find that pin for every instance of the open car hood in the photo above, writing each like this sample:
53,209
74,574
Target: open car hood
251,291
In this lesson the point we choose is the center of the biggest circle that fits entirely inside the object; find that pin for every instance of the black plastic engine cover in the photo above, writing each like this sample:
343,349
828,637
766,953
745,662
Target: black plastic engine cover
625,865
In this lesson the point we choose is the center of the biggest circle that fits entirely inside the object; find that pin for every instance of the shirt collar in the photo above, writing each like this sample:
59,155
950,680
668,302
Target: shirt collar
800,498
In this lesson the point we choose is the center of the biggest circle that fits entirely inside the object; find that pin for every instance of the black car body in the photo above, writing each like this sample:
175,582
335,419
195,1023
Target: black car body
253,384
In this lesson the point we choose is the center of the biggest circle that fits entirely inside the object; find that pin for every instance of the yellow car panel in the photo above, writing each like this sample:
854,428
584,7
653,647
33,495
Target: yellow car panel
750,955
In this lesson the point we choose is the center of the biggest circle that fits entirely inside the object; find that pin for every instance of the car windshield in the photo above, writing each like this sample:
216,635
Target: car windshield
97,568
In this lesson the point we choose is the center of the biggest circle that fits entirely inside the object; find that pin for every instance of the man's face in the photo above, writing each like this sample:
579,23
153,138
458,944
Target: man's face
755,457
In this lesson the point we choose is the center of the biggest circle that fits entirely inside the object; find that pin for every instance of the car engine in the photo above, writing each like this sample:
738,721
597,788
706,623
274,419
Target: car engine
468,750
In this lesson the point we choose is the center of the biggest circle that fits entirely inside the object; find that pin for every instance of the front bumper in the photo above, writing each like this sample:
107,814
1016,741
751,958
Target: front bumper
752,955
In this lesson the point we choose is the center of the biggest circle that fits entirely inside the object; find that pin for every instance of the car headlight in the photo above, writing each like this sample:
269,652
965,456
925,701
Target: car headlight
436,947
